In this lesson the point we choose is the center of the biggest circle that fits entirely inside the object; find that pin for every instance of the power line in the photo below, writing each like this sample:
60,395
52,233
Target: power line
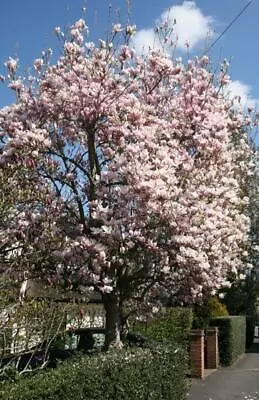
229,26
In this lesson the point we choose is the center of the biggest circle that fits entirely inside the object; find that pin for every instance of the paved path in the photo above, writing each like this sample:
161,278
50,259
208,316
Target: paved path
240,382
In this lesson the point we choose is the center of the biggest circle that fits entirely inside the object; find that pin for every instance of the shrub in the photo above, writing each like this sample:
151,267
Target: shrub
152,372
250,326
174,326
232,337
241,297
204,312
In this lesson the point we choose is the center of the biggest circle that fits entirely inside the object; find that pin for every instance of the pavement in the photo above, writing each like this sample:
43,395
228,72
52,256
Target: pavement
240,382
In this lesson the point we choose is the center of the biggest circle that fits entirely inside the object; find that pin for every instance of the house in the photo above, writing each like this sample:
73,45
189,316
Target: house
44,313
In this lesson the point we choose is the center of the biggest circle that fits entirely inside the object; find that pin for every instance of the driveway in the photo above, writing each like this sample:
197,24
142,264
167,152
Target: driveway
240,382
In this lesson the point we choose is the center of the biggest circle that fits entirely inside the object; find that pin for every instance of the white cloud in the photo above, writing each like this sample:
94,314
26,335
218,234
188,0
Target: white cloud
242,92
189,25
145,39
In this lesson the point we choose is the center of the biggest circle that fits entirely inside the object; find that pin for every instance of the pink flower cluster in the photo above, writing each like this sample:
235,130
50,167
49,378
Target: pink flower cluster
139,157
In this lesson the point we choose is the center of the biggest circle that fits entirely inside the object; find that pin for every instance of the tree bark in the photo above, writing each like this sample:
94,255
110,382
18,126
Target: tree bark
113,321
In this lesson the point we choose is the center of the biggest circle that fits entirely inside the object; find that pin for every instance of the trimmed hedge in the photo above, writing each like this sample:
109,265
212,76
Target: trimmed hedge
174,326
232,338
153,372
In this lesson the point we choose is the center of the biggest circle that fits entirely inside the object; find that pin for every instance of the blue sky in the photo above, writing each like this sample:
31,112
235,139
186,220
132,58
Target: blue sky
27,28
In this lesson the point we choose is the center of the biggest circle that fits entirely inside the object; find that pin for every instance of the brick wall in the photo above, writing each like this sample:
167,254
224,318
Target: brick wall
212,348
197,353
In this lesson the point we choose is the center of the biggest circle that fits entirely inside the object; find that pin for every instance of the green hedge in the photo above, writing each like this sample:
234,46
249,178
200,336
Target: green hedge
232,337
133,373
174,326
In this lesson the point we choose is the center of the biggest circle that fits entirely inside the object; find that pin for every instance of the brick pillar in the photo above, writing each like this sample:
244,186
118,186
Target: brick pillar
212,348
197,353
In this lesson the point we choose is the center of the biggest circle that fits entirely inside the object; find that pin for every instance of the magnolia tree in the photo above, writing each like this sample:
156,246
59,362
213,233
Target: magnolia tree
137,158
252,190
19,199
26,223
241,298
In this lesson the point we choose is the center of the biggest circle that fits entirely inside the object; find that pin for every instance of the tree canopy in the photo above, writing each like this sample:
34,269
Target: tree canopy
136,162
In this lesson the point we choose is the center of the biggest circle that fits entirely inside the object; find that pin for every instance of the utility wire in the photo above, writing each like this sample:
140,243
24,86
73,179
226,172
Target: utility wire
229,26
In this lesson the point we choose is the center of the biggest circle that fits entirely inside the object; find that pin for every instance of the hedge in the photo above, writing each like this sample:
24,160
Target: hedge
232,338
174,326
153,372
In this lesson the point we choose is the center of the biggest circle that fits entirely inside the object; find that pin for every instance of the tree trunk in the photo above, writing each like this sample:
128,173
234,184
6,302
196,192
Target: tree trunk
113,321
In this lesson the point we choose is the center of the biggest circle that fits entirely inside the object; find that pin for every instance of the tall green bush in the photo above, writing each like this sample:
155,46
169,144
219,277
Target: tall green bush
232,338
210,308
